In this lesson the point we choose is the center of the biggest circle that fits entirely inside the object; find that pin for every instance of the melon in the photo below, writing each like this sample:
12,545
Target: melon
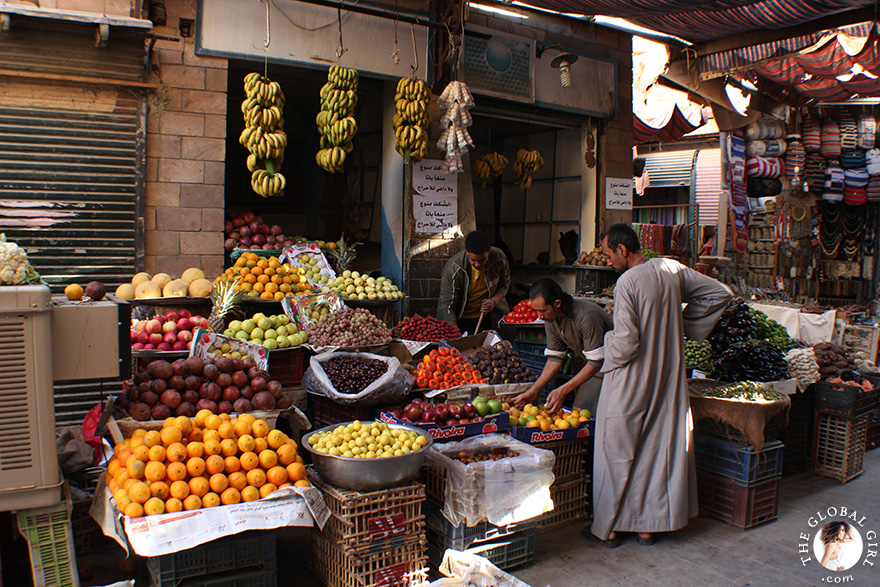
161,279
192,274
140,278
200,288
147,290
126,291
176,288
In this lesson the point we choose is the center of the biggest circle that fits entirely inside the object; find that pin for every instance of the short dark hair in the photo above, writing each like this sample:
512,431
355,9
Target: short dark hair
552,291
476,242
622,234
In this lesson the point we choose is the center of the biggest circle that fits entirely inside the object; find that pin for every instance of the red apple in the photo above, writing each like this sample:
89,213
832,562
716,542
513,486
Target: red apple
237,222
140,326
155,338
172,316
143,338
169,327
138,346
442,411
184,324
170,337
163,346
184,314
248,217
178,345
153,326
160,318
276,230
134,336
184,336
149,347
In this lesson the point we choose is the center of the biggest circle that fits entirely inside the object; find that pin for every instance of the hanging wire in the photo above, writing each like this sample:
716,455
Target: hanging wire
395,53
268,42
415,68
341,50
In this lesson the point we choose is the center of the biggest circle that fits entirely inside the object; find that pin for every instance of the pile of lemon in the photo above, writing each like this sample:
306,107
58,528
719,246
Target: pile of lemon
532,416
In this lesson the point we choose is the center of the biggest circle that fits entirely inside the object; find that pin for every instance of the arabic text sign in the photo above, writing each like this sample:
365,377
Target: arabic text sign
435,205
618,193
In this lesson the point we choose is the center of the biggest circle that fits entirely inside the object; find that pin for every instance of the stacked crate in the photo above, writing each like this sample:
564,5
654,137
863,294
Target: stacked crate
50,544
572,485
371,538
738,484
533,357
843,413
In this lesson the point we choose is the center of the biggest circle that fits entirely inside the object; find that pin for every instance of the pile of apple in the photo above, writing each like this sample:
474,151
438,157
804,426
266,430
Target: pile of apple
447,414
247,231
171,332
219,384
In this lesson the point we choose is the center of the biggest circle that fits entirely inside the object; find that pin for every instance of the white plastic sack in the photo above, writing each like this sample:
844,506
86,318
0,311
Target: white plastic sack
505,491
391,387
473,570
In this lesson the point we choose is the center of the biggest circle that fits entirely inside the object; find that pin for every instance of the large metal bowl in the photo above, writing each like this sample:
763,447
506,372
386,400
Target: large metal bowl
367,474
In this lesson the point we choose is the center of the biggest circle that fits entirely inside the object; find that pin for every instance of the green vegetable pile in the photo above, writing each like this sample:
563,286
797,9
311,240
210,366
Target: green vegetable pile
771,331
745,391
697,354
650,254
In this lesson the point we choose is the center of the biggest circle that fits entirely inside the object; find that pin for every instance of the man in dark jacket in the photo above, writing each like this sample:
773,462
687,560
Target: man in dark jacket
474,281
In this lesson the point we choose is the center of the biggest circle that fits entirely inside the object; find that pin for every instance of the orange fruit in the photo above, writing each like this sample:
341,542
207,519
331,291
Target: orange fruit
242,427
296,472
142,453
139,492
210,500
213,422
154,507
302,483
136,440
267,489
195,466
276,438
228,447
249,460
231,465
195,449
154,471
157,453
184,423
123,502
192,502
214,464
209,435
134,510
276,475
129,483
195,435
238,480
256,477
170,435
173,505
218,482
250,493
246,442
226,430
120,494
152,438
249,418
175,471
225,417
259,428
230,496
160,489
112,468
202,416
212,447
199,486
179,490
268,459
175,452
123,456
286,454
136,469
260,445
169,421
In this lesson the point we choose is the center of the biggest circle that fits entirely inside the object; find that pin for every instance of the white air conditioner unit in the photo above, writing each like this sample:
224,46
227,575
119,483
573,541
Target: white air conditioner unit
29,474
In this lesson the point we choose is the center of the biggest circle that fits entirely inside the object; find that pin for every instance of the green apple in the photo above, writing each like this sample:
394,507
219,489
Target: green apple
270,343
248,325
230,332
257,317
281,331
283,319
494,406
242,335
257,334
235,325
282,342
265,323
293,339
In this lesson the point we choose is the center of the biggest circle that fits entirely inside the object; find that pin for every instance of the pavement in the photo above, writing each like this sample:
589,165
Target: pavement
706,552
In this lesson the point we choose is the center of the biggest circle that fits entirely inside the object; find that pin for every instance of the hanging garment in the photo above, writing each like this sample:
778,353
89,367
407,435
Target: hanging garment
795,157
849,132
867,131
852,159
873,191
830,137
855,196
834,182
872,160
811,134
764,167
766,127
857,178
814,170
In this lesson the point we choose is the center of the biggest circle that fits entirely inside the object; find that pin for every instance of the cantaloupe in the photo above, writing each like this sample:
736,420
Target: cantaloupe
126,291
200,288
176,288
148,290
161,279
140,278
192,274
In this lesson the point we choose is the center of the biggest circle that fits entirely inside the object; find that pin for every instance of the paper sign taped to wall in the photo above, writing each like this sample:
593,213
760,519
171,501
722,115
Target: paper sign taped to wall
429,177
618,193
435,205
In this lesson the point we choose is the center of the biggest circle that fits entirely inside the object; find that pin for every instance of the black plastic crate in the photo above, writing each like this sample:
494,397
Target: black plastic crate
249,578
325,412
533,357
252,551
840,399
743,464
441,532
872,438
593,280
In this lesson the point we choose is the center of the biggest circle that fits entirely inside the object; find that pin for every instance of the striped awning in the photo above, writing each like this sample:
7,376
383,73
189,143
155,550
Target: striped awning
666,128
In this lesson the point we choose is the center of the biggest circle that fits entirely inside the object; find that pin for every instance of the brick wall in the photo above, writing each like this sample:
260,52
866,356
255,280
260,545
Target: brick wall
423,286
186,150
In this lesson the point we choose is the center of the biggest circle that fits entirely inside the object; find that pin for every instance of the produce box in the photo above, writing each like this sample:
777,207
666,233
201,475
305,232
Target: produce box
571,504
839,446
509,552
738,505
295,255
204,340
468,345
399,566
499,422
536,435
325,412
462,537
49,536
286,365
745,465
841,399
300,308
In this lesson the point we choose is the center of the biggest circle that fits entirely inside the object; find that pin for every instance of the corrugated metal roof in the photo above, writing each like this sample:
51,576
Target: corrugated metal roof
670,169
708,189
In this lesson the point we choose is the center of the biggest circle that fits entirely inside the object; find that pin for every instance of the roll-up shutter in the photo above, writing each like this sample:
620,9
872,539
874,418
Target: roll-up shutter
708,189
670,169
72,154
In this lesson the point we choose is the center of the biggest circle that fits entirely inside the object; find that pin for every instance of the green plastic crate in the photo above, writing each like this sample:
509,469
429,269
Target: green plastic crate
50,540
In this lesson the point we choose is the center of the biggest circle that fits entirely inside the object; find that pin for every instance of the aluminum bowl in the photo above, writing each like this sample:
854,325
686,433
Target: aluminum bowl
367,474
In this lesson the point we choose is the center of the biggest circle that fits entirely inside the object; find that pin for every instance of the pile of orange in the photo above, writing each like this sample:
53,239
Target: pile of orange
535,417
203,462
444,368
266,278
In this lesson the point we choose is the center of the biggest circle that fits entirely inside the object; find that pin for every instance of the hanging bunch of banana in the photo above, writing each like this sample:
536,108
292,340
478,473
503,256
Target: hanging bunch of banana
454,139
488,166
411,119
335,121
527,164
263,135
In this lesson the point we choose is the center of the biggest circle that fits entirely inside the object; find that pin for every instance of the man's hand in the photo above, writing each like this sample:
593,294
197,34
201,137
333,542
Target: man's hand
526,397
487,306
555,399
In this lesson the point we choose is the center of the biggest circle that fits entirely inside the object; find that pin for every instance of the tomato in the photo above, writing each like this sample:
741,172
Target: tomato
443,351
422,382
434,384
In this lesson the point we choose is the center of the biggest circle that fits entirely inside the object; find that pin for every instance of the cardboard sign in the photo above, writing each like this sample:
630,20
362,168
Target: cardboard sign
618,193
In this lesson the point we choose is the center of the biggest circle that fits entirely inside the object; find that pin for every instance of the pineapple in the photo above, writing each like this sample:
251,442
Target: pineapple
225,299
344,254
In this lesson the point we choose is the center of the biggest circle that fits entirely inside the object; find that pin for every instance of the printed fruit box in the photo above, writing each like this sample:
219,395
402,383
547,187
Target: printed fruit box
536,435
499,422
204,340
308,258
307,310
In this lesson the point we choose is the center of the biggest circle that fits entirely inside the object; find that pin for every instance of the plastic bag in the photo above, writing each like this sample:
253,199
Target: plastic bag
505,491
89,427
392,387
465,569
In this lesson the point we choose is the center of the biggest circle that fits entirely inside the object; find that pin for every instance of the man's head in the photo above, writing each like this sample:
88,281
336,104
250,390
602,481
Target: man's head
621,244
477,246
549,301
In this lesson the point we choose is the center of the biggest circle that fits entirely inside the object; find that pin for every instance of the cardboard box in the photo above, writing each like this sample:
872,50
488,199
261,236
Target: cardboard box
469,345
536,435
203,340
496,423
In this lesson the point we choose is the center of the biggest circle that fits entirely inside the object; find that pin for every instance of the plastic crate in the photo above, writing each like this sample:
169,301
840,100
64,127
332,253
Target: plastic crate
362,523
50,543
287,366
87,534
571,504
443,533
402,566
326,412
593,280
744,507
252,551
507,552
570,456
745,465
849,401
797,436
535,335
839,448
250,578
872,436
434,479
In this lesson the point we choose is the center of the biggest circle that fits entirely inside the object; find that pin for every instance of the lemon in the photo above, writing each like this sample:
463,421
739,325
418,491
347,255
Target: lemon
73,291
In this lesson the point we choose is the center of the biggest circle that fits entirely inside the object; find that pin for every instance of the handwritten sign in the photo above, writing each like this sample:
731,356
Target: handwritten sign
618,193
435,204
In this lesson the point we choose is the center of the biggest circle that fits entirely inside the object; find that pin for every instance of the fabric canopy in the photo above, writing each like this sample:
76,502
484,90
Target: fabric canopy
667,128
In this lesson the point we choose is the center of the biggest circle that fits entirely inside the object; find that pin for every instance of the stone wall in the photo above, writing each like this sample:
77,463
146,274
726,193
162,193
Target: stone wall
186,150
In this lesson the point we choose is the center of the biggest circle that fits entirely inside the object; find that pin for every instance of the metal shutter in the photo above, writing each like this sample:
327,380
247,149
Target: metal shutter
708,192
670,169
